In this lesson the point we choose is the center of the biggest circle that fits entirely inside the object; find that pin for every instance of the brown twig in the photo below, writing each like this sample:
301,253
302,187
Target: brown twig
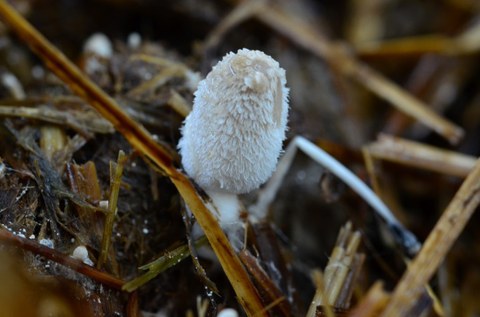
54,255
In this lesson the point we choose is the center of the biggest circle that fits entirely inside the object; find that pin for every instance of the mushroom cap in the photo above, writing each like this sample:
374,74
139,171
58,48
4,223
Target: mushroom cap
233,137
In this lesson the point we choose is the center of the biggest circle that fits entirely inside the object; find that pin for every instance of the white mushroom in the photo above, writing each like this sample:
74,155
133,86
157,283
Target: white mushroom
233,137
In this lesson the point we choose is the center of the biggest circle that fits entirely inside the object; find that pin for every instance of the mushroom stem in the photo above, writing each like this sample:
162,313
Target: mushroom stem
226,207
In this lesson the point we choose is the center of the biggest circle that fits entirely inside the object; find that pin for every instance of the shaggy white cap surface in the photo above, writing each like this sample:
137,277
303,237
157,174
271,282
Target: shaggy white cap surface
233,137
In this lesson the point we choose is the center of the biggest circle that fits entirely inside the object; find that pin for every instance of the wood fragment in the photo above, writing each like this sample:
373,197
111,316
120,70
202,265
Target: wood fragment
435,248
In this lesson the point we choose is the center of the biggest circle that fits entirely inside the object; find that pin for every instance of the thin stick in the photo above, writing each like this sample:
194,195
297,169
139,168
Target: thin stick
141,140
436,247
54,255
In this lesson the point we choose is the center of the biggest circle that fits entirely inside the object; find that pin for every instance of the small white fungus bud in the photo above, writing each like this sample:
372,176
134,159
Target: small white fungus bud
228,312
233,137
103,204
81,253
98,44
48,243
134,40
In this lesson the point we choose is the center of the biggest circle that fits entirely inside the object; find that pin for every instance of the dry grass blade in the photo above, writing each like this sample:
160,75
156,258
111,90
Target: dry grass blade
438,243
116,171
158,80
160,265
159,61
306,37
366,23
406,46
406,102
421,156
465,43
142,141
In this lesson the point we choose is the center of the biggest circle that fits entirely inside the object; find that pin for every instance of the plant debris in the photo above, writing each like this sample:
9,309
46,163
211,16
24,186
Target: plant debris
97,217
